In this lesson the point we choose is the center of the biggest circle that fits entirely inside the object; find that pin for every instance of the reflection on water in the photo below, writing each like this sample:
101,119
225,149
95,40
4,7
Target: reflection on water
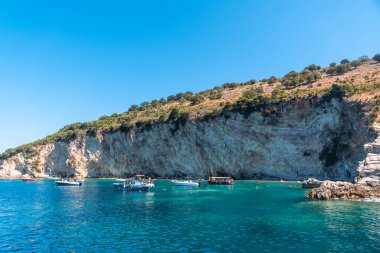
248,216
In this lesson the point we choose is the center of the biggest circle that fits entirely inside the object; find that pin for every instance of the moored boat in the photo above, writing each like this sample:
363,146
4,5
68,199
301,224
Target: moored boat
138,183
185,183
220,180
69,182
29,179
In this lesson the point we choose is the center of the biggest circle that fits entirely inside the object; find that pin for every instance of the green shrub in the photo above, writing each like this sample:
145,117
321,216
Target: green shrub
363,58
272,80
171,98
144,106
376,57
174,113
252,93
355,63
103,117
230,85
342,68
331,70
155,103
197,99
251,98
279,93
251,101
313,67
344,61
215,94
336,91
188,95
291,79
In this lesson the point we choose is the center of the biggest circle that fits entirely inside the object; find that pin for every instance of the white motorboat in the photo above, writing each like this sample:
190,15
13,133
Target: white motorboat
69,182
185,183
138,183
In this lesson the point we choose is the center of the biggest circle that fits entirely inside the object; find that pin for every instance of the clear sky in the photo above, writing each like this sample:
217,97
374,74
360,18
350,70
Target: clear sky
68,61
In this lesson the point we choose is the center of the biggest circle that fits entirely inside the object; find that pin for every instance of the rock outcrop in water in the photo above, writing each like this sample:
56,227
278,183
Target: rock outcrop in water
305,138
347,191
366,184
311,183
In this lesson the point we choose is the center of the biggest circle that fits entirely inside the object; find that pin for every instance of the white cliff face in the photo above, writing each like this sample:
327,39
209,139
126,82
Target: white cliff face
299,140
14,166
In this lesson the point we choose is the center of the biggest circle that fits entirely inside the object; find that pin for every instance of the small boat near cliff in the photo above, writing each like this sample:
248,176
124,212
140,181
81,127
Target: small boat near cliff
29,179
69,182
138,183
185,183
220,180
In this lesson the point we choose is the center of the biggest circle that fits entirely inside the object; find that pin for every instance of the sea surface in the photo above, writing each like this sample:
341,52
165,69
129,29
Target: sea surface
250,216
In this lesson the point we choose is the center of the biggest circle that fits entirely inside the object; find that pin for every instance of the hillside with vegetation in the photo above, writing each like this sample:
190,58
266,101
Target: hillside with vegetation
357,80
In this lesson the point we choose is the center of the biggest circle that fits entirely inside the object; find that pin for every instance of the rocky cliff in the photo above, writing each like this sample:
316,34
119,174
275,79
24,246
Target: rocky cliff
366,184
300,138
318,123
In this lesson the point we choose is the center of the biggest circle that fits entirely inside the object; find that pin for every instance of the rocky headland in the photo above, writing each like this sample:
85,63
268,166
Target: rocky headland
319,123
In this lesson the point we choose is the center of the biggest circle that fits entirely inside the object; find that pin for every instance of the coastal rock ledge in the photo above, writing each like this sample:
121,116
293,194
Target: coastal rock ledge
366,185
347,191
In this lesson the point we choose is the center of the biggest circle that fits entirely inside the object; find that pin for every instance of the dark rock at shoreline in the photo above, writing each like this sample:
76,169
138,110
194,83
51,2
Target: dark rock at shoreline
369,190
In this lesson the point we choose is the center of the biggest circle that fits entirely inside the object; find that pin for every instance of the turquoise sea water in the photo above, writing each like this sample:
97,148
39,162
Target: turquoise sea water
250,216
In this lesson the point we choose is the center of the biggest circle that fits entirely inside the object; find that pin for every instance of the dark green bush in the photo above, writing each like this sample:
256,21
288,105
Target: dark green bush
215,94
230,85
197,99
133,108
313,67
355,63
174,113
376,57
342,68
363,58
331,70
272,80
171,98
279,93
290,80
252,93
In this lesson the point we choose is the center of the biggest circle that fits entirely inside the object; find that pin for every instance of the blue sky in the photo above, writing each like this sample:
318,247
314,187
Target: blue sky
68,61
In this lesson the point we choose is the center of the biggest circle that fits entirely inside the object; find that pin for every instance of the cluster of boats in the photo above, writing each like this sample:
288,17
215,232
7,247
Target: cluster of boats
140,183
137,183
211,180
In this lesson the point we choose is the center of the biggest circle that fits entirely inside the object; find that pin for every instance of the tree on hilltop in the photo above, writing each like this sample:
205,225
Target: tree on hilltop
376,57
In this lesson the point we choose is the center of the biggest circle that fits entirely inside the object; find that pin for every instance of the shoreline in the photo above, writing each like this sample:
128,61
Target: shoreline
114,178
368,199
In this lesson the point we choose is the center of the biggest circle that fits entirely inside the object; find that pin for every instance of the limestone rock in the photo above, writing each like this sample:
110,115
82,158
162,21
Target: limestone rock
305,139
311,183
366,184
346,190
